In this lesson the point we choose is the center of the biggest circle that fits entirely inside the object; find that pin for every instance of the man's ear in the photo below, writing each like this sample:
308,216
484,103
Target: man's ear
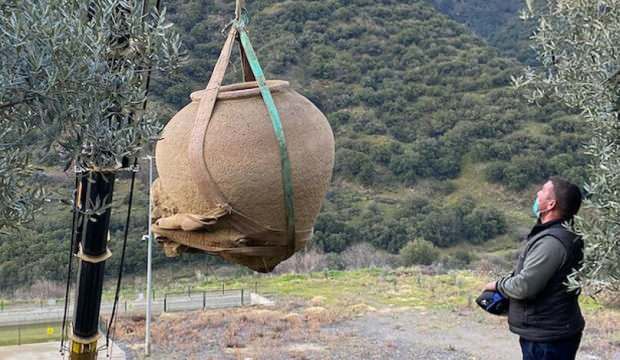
554,205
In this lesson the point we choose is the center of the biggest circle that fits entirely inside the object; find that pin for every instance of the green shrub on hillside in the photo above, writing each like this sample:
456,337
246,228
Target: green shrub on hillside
483,224
459,260
464,221
419,252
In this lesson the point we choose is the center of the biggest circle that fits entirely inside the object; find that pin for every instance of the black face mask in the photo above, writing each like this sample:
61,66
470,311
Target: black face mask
493,302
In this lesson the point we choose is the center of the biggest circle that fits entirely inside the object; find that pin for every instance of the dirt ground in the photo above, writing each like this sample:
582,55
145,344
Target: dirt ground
312,330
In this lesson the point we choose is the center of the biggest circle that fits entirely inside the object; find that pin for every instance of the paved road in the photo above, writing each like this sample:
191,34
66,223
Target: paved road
53,313
49,351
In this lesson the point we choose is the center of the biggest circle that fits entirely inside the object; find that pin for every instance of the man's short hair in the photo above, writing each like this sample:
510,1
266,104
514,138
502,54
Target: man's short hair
567,195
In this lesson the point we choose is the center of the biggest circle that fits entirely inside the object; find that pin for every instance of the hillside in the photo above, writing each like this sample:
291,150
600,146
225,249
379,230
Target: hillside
421,108
484,17
497,22
431,140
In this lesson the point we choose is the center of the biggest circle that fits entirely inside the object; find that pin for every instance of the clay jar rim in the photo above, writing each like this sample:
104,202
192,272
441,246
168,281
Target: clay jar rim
242,90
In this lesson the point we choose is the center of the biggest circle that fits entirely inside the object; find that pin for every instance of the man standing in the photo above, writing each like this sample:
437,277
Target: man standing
542,311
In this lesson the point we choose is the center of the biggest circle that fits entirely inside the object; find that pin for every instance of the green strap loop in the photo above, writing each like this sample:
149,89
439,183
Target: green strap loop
287,179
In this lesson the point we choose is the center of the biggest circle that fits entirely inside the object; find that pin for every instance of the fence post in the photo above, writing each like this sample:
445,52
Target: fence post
165,302
241,296
204,300
222,288
125,307
19,334
189,291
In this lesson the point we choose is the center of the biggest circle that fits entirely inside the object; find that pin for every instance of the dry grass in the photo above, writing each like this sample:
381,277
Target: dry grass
602,333
303,262
308,304
261,332
41,289
358,256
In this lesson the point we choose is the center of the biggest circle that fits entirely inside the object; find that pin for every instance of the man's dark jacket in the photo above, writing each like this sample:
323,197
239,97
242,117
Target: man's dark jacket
541,308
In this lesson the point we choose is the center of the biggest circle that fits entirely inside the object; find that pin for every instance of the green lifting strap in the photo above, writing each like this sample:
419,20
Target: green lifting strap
287,179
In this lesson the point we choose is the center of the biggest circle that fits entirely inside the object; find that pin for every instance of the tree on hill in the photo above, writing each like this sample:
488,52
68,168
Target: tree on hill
64,88
71,68
79,72
577,43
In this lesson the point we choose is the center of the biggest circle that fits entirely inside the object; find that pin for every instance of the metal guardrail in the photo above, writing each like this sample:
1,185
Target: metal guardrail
204,300
40,321
170,302
50,303
27,334
15,323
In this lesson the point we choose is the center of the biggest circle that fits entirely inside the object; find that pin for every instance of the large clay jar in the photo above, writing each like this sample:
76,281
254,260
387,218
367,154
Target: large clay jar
242,155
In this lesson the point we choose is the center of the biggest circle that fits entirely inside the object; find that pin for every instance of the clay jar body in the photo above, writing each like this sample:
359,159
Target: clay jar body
242,155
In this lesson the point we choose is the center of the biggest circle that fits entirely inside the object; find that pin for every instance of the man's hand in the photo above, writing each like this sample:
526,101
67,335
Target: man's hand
490,286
